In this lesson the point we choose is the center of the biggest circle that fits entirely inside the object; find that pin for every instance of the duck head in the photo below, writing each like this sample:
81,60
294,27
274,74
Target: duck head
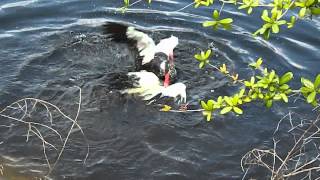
169,72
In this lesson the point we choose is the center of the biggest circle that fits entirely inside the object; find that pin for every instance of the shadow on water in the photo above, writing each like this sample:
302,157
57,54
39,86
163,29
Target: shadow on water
128,139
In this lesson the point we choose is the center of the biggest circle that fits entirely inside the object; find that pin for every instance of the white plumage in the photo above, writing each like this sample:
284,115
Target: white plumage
149,86
167,45
146,46
153,58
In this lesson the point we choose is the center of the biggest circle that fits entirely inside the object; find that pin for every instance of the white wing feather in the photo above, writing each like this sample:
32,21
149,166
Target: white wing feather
145,44
167,45
150,86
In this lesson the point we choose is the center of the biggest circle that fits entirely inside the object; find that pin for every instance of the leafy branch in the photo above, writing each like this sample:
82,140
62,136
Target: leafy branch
277,9
268,87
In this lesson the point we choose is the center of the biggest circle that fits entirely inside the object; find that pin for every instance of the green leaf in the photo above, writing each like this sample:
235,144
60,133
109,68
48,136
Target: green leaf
215,14
260,95
269,104
265,17
266,34
228,100
226,26
257,64
243,6
235,100
311,97
247,83
201,65
307,83
275,28
281,22
271,88
237,110
315,10
284,97
314,103
242,91
265,71
208,115
209,23
272,75
277,97
226,21
292,22
126,2
198,57
210,104
305,90
302,12
254,96
225,110
260,31
300,4
166,108
208,53
317,81
204,105
247,99
286,78
309,2
284,87
249,10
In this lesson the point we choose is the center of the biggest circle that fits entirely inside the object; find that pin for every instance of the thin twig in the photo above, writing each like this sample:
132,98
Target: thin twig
184,7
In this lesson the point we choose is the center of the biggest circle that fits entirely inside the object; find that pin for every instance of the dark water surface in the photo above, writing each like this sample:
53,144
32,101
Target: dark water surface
48,47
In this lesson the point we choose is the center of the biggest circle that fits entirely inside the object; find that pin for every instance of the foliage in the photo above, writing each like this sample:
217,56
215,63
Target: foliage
272,23
126,4
217,22
28,112
203,58
293,156
274,14
203,3
268,86
310,90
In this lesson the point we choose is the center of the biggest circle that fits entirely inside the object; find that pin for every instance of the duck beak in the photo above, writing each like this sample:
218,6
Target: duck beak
166,79
171,58
167,75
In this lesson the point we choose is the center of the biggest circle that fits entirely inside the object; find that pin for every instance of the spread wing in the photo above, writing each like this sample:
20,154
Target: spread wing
143,44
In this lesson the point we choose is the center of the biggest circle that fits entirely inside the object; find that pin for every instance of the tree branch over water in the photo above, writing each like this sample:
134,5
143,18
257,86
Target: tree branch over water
289,158
40,118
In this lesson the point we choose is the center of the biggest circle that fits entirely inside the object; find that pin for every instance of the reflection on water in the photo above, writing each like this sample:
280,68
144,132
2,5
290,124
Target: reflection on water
51,46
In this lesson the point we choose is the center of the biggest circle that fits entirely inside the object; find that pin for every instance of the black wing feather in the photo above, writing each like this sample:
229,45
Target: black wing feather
118,33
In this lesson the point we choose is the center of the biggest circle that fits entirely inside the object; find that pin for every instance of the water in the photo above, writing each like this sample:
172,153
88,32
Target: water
48,47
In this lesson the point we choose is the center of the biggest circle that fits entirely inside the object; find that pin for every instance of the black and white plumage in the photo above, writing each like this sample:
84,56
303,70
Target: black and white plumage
149,56
153,64
145,85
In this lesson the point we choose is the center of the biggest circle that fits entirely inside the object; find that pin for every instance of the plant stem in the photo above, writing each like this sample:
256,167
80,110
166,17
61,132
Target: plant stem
292,3
232,2
184,7
221,8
